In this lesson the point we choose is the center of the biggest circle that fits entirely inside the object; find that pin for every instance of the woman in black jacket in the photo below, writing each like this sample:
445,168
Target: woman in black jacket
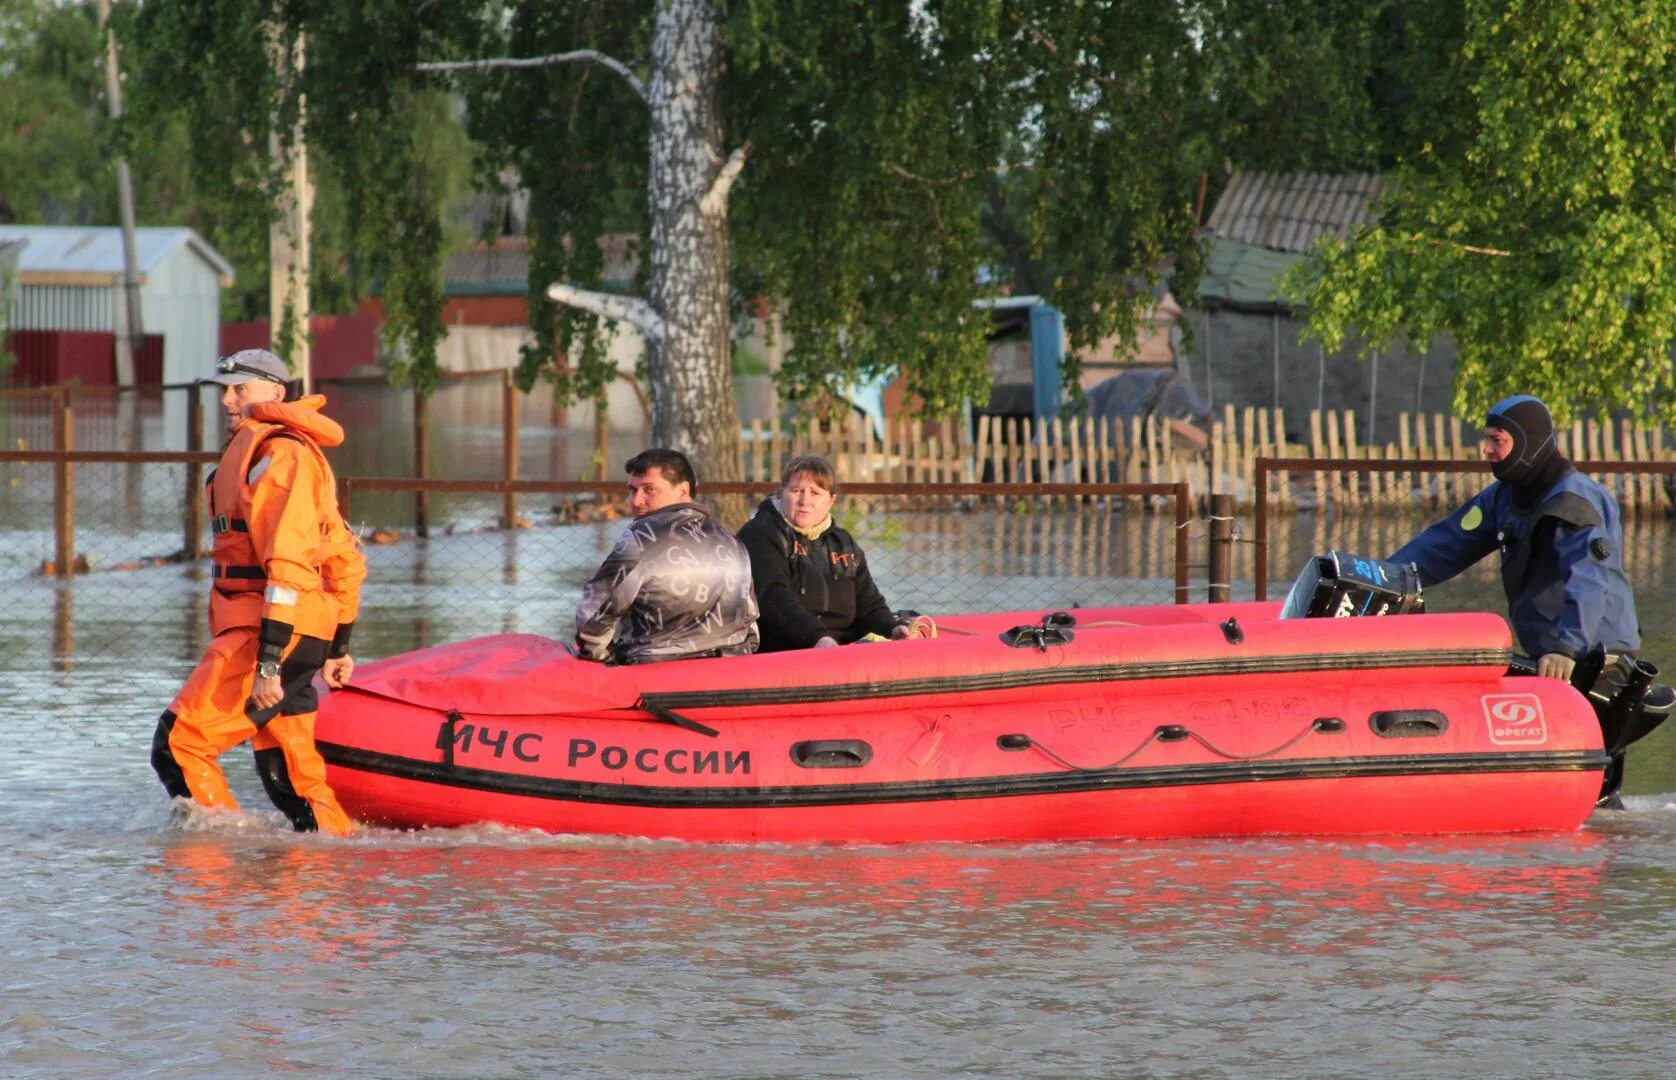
813,588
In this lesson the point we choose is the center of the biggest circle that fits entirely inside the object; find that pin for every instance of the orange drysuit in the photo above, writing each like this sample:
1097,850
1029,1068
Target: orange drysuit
288,576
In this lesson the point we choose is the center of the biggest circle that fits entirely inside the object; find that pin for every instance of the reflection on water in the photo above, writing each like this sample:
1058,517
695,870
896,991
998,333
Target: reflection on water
486,952
229,946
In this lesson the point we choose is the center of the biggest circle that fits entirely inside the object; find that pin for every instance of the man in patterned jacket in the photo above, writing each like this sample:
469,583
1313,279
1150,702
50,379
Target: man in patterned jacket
676,586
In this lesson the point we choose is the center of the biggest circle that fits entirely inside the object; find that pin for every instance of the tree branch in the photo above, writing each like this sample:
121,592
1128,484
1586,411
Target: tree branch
629,309
541,61
961,178
715,200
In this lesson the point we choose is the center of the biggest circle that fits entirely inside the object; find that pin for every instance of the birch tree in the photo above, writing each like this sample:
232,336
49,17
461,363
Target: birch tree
867,169
684,316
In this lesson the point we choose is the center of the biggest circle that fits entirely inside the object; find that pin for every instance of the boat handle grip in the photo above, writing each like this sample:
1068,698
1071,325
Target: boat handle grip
1408,723
831,753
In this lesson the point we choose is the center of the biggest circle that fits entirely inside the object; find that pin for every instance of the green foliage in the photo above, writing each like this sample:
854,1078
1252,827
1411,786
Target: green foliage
905,160
746,362
1536,229
52,122
383,147
576,134
901,156
1325,85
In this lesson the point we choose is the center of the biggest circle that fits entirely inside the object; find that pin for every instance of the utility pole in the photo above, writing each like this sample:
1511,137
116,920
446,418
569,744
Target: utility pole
129,330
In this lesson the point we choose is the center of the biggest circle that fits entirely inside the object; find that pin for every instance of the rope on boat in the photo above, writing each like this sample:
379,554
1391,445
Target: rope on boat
1314,726
1125,759
1176,733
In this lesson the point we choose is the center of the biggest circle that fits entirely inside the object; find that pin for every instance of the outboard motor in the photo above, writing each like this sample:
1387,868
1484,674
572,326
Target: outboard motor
1339,585
1630,703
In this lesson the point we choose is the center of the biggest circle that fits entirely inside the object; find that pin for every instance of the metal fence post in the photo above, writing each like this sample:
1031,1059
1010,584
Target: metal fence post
509,448
1221,555
64,485
191,547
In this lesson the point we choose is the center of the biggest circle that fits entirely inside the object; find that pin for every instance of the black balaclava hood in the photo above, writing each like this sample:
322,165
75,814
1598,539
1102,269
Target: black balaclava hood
1536,462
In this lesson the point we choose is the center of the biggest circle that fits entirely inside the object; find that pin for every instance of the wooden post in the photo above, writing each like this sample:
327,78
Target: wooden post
1076,437
1183,515
64,486
191,546
602,434
999,448
509,447
774,445
421,463
1221,556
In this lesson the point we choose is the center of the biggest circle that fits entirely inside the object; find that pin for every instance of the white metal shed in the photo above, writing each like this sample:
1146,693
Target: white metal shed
69,277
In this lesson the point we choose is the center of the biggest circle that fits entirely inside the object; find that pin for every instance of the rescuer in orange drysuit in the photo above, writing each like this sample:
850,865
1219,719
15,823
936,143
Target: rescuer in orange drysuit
287,589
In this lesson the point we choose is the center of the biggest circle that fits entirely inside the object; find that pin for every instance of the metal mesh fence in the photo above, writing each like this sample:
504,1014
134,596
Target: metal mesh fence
138,608
117,637
125,514
1348,519
943,553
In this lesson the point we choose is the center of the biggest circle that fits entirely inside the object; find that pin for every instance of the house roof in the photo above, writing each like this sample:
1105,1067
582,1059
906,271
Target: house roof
92,254
1290,211
1245,276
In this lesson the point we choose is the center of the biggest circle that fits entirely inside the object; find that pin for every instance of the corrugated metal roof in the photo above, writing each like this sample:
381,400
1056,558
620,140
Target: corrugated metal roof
1290,211
97,250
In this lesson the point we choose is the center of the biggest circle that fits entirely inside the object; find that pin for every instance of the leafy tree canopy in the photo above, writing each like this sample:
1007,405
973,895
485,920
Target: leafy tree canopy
52,120
385,153
1536,228
883,139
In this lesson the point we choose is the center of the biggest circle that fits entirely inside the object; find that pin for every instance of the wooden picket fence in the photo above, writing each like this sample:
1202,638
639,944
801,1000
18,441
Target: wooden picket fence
1077,450
1434,436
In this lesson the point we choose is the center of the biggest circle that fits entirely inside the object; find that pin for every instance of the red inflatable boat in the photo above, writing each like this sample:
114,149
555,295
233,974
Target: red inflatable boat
1128,722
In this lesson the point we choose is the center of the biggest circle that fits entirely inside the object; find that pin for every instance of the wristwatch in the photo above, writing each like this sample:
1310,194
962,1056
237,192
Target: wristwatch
268,669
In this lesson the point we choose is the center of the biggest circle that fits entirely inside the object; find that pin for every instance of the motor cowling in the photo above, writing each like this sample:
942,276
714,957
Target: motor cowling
1341,585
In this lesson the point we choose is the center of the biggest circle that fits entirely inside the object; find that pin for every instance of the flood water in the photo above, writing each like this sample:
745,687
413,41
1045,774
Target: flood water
141,945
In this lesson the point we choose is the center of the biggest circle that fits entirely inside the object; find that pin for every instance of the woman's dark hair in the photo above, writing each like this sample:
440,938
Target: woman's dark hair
674,465
819,469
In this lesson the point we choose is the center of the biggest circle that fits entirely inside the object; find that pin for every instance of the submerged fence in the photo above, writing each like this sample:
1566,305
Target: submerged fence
478,425
112,568
1345,490
101,531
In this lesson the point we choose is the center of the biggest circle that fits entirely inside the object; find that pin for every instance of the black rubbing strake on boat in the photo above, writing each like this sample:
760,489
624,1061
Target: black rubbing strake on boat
1010,680
989,787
